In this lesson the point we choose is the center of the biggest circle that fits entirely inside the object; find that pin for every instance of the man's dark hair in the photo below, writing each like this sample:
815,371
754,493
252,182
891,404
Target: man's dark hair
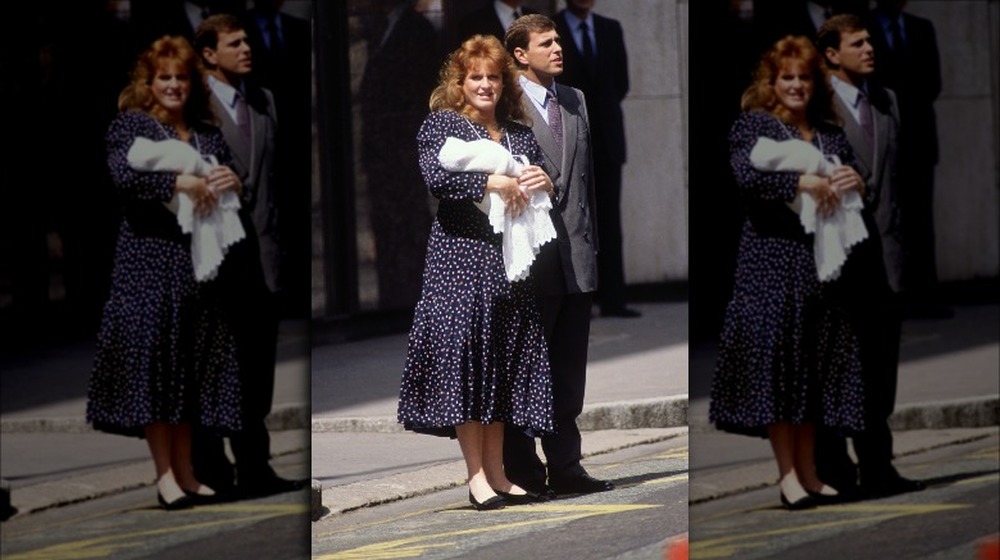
520,31
207,34
828,36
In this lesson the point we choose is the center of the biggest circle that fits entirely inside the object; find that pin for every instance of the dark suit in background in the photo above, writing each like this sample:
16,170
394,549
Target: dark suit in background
604,82
282,63
402,66
151,20
484,21
565,277
913,72
776,18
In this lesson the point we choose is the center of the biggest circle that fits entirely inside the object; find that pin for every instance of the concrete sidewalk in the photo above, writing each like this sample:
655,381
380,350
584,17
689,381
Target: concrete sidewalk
637,384
637,392
949,381
49,455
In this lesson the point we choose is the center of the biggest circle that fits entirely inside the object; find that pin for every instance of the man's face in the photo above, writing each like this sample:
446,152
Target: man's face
231,54
855,55
543,56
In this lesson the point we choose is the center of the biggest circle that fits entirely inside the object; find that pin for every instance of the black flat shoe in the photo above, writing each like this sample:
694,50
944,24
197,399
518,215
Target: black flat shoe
583,484
496,502
184,502
805,502
528,497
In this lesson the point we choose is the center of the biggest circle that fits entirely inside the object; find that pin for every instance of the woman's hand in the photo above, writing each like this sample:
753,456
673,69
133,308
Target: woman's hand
534,179
222,178
821,189
845,178
514,199
197,188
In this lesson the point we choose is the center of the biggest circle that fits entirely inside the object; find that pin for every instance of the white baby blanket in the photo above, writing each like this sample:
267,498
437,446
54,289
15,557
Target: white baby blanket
834,234
211,235
524,235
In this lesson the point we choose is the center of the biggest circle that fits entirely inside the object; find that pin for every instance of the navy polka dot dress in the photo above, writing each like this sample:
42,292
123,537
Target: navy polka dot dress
476,348
164,351
787,352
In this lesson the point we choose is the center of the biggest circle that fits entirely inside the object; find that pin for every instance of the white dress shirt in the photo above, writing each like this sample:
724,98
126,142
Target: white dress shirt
537,94
850,95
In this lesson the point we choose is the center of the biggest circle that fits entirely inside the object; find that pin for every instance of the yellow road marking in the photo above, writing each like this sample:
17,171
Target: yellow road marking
680,454
668,479
416,546
106,546
980,479
985,454
725,547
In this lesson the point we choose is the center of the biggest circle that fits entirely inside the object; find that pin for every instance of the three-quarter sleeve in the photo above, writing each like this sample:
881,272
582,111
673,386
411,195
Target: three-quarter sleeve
754,183
132,184
443,184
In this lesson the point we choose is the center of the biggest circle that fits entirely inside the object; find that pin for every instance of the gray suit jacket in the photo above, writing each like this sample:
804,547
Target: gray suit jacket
255,166
570,265
877,166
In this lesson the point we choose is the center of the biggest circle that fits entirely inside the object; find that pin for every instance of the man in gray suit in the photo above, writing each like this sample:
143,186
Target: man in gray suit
565,272
872,277
248,279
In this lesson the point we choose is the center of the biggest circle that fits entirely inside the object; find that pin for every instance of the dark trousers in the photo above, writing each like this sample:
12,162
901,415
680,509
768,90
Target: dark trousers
610,257
253,313
916,204
566,320
875,313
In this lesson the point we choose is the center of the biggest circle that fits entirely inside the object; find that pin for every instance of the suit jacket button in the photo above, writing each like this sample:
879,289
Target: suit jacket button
586,237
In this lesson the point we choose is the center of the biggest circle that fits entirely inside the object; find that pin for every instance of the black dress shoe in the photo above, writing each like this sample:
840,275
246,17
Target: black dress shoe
891,486
583,484
804,502
183,502
528,497
269,486
496,502
622,312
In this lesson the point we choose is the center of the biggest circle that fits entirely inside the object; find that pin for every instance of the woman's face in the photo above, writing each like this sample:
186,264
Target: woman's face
171,86
794,85
482,87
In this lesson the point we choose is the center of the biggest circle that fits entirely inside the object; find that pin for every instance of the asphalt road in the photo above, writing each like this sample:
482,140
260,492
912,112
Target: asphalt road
635,521
131,525
948,520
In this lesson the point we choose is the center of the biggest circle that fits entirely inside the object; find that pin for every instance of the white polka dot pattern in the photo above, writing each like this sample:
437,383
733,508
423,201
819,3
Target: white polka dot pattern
164,352
476,347
787,352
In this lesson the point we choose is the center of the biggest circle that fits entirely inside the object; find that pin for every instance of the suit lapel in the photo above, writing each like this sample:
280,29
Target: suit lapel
237,146
882,121
856,137
570,112
258,122
543,135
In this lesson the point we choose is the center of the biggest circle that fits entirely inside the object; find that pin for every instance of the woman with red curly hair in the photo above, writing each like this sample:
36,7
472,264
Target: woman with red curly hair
165,357
788,358
477,357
